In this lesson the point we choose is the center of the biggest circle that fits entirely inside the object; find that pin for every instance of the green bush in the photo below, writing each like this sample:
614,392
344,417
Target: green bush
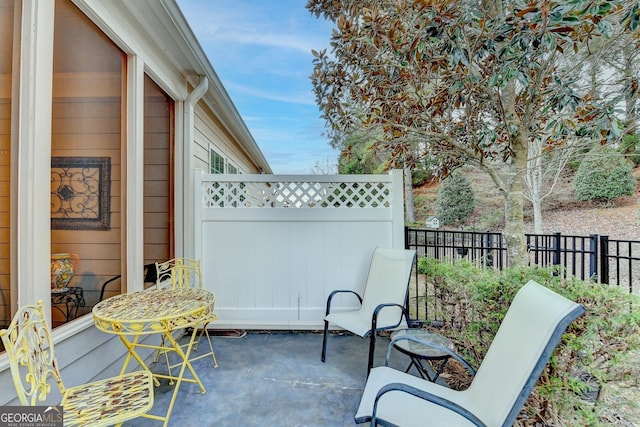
630,148
419,176
604,175
470,302
456,200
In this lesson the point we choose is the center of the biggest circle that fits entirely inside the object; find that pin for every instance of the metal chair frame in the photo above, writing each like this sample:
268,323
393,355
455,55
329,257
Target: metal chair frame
184,273
520,350
31,353
382,306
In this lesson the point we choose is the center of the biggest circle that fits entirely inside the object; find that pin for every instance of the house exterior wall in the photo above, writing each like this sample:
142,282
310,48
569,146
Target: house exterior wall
211,134
156,42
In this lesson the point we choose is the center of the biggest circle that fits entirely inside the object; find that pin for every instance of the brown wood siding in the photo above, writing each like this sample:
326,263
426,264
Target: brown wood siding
158,174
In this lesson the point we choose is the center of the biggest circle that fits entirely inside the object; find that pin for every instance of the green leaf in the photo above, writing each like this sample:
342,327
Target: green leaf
605,28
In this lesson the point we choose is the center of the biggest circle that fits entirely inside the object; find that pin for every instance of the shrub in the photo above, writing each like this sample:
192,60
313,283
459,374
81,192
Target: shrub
456,200
471,301
631,148
603,176
419,176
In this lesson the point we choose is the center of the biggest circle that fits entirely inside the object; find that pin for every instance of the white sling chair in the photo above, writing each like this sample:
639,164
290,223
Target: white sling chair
527,337
383,304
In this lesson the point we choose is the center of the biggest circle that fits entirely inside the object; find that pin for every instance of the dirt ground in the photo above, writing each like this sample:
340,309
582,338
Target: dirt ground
621,221
561,212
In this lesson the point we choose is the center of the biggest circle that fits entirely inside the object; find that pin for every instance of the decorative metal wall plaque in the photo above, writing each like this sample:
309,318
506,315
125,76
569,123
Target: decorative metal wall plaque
80,193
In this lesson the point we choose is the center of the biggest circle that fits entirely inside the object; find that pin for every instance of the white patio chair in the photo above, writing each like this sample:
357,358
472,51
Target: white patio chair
382,305
527,337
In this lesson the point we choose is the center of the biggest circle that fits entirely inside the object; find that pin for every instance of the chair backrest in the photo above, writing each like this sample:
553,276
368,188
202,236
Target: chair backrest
179,273
29,346
387,282
528,335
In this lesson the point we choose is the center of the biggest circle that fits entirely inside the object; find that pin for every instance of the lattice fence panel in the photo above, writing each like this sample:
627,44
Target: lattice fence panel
292,194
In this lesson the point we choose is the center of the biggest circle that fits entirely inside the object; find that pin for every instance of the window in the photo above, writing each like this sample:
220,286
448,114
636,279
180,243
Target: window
231,168
87,122
216,164
159,219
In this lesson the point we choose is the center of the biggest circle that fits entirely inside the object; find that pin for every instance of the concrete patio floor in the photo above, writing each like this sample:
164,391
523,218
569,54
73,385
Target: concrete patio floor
274,379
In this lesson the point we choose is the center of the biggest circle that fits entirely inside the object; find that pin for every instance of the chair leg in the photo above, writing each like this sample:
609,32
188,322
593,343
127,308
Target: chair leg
205,332
324,340
166,351
372,349
157,356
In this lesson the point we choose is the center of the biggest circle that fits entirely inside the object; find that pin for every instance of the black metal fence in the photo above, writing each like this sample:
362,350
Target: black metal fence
594,257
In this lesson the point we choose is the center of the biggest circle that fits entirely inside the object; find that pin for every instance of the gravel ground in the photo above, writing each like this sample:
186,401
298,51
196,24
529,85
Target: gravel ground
619,222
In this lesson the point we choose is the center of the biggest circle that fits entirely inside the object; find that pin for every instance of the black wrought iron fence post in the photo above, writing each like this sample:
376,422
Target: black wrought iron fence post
488,252
604,259
556,248
593,256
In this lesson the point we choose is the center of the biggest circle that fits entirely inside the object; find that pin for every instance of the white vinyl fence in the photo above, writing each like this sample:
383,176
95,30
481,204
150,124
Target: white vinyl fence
274,246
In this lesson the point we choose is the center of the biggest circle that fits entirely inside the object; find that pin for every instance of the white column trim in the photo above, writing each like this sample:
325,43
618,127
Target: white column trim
34,153
133,158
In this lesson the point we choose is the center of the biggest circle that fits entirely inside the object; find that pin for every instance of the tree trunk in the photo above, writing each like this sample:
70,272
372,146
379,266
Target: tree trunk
631,96
536,178
537,216
409,204
513,210
513,189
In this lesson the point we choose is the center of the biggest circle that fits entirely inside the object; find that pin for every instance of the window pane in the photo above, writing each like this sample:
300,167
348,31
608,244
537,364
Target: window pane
158,173
88,82
217,163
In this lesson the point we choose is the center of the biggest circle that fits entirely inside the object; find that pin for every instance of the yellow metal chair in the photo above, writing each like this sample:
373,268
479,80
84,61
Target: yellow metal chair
184,273
111,401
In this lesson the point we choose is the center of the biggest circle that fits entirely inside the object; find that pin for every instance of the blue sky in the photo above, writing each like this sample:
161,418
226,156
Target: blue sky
261,51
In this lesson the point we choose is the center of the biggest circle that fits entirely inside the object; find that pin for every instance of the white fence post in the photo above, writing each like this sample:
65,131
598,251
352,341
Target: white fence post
197,214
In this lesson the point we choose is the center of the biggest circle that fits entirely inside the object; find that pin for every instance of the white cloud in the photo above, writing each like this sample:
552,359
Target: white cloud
305,98
268,39
261,51
277,24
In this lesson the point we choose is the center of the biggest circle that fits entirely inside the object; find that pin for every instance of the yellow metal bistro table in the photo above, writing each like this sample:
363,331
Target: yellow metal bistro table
157,311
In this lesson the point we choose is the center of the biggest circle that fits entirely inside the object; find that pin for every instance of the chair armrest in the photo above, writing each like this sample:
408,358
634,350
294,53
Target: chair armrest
425,395
332,294
374,318
104,285
439,347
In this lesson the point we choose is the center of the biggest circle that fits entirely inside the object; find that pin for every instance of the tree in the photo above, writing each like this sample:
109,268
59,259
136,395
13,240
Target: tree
456,200
361,153
474,81
543,172
325,167
356,155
